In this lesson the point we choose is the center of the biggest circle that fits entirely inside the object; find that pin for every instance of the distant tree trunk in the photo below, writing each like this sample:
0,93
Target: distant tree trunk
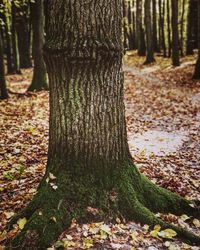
140,33
125,24
182,28
163,28
3,90
149,37
155,37
134,27
190,25
175,37
39,81
196,75
16,61
10,67
169,29
22,29
160,23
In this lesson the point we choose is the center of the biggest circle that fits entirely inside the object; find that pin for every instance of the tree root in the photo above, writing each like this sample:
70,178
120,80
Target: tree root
130,194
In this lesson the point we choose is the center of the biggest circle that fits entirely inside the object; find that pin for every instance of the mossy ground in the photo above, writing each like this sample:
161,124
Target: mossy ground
62,196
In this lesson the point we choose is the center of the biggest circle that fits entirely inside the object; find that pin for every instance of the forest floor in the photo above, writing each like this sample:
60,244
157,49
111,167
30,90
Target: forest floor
163,124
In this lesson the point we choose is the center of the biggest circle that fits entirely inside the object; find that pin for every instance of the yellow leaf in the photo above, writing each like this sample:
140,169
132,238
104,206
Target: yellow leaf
157,227
68,243
167,233
21,222
196,223
88,243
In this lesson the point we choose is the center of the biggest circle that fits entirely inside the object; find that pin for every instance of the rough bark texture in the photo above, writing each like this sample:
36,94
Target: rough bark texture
196,75
3,90
175,34
149,38
39,81
88,150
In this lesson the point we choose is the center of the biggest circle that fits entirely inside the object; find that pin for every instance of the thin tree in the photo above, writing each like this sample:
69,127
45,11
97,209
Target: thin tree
155,30
39,81
182,27
190,28
89,163
3,90
169,29
139,29
148,30
175,34
196,75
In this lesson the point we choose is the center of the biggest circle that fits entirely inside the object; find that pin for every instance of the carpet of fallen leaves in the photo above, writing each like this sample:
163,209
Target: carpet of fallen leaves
158,98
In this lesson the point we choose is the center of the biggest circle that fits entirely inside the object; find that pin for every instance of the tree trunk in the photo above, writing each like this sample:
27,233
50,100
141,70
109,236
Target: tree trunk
169,29
155,37
196,75
175,37
163,28
139,28
3,90
149,38
22,29
182,28
89,163
190,28
16,61
39,81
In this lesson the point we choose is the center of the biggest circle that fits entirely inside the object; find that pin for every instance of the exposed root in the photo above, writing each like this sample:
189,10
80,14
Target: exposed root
161,200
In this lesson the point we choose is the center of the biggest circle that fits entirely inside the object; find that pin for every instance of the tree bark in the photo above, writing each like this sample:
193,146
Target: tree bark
139,29
148,30
190,28
3,90
169,29
155,31
163,28
196,75
23,35
175,34
182,28
39,81
89,163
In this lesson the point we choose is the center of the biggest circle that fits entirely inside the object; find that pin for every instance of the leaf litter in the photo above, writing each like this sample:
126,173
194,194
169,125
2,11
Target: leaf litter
168,107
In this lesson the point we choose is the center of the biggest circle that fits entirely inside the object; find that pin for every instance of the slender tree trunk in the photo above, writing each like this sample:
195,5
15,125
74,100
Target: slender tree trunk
163,29
3,90
149,38
196,75
169,29
139,28
182,28
175,36
89,163
155,37
16,61
190,25
39,81
22,29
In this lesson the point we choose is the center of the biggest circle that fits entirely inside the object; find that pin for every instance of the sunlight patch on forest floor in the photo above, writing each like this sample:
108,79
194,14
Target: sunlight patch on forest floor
155,142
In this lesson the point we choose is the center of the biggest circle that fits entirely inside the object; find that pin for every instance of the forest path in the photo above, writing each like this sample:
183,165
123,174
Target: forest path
163,117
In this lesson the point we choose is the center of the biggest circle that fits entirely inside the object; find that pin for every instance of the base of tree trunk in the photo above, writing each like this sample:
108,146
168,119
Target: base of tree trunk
38,85
149,61
196,75
64,197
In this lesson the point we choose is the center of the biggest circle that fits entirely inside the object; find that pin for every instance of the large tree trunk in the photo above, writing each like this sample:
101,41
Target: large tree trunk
39,81
3,90
175,36
149,37
89,164
196,75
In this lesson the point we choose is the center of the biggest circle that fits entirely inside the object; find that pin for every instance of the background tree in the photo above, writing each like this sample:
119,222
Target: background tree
190,28
175,36
139,27
39,81
148,30
155,37
3,90
89,163
196,75
169,29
